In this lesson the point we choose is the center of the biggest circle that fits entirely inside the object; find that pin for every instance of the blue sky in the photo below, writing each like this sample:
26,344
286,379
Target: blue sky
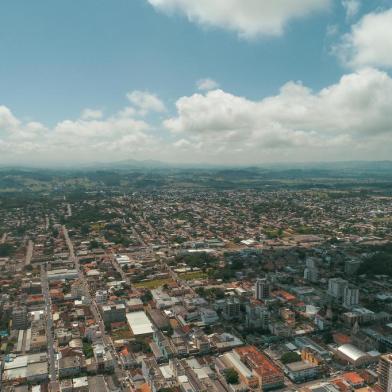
61,57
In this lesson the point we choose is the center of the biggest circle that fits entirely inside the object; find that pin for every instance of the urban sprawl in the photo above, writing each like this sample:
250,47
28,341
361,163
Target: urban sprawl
196,290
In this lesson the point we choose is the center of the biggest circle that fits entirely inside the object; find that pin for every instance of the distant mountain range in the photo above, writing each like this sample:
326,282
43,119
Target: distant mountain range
130,164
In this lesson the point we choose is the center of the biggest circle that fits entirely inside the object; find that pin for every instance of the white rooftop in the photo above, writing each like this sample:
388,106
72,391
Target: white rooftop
139,323
351,352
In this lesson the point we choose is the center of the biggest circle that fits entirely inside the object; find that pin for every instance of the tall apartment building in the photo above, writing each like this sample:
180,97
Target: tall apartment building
385,373
336,287
19,318
311,272
262,289
257,316
231,309
350,296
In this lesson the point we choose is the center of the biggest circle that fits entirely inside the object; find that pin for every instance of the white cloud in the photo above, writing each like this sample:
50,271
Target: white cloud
369,42
206,84
351,7
347,120
85,139
146,102
7,119
342,117
249,18
91,114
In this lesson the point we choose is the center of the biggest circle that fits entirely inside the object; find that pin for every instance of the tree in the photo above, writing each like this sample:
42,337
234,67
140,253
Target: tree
146,297
231,376
6,250
93,244
290,357
88,350
85,229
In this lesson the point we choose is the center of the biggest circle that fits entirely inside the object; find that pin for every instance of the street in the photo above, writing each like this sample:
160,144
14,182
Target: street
49,324
120,371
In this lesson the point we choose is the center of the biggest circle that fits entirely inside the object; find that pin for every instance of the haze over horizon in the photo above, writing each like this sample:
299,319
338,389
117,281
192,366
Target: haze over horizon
214,82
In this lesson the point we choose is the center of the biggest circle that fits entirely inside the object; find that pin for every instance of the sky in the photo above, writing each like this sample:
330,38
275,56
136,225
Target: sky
195,81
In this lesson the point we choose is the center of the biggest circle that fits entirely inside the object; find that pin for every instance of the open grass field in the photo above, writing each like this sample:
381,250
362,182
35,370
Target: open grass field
152,284
193,275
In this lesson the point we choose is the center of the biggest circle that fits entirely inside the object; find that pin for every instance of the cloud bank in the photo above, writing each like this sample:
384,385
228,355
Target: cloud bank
350,119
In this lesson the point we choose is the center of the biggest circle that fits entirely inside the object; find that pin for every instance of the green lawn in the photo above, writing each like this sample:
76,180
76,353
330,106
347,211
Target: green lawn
152,284
193,275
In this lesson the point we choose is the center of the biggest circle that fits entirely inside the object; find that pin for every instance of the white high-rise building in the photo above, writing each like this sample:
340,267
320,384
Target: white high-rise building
350,296
262,289
311,274
101,296
385,373
336,287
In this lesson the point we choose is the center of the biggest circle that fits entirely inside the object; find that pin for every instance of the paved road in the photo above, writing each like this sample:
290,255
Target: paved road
29,252
120,371
49,324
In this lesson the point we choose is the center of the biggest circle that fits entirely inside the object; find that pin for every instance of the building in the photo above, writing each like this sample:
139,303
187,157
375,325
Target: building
262,289
385,373
113,313
336,287
308,354
103,358
350,296
31,368
135,304
254,368
231,309
101,296
257,316
70,366
311,272
307,343
139,323
353,355
208,316
302,371
77,290
62,274
19,318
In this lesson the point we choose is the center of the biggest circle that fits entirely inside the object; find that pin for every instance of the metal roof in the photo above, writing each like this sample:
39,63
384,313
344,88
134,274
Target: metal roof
351,352
139,323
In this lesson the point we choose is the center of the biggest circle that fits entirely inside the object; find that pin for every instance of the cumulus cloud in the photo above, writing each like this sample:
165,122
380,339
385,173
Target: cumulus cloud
206,84
344,115
346,120
369,43
7,119
146,102
248,18
90,137
91,114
